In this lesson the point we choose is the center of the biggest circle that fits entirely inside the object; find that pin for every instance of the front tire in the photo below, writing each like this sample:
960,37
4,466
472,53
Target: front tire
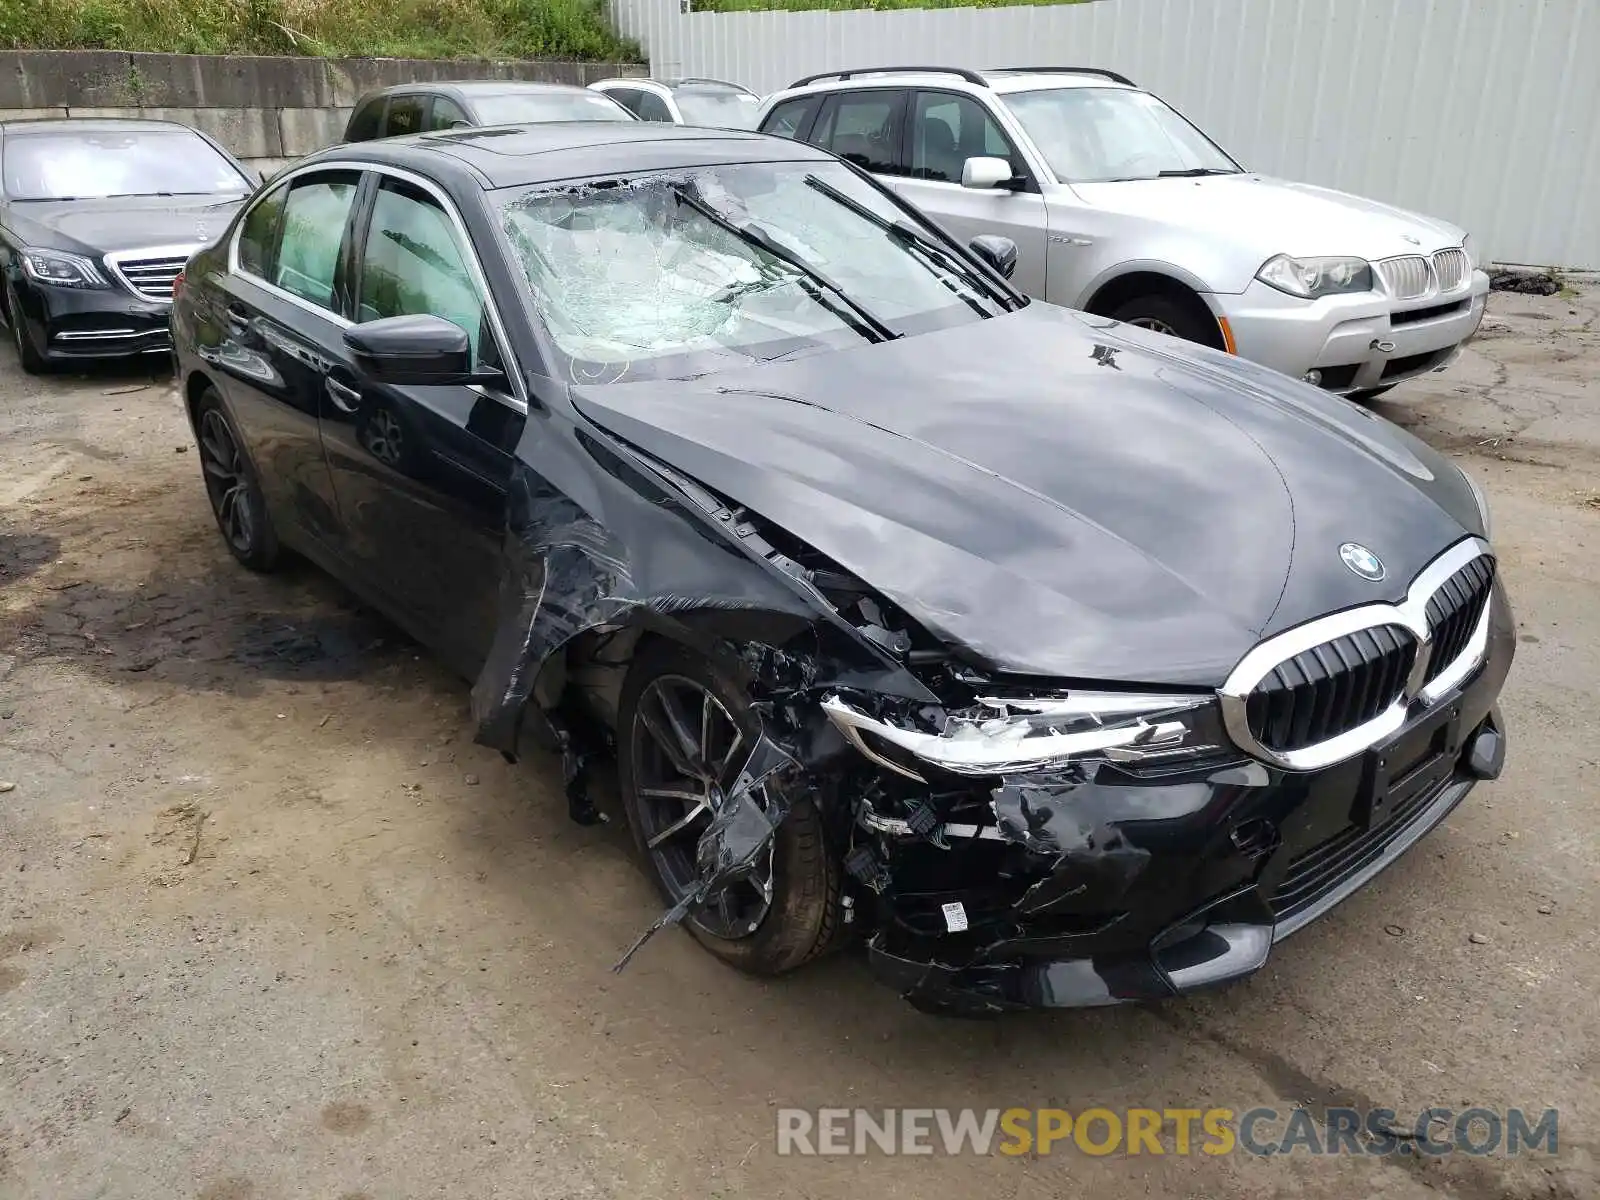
1191,321
683,731
28,354
231,485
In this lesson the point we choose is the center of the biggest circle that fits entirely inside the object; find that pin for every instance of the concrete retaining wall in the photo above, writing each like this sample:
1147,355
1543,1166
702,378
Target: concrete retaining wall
268,111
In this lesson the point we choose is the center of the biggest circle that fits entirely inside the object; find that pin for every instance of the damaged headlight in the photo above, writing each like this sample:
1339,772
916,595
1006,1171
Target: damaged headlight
1003,735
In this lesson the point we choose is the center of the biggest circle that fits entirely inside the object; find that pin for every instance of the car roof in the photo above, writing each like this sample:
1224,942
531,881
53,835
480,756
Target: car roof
468,88
31,125
514,155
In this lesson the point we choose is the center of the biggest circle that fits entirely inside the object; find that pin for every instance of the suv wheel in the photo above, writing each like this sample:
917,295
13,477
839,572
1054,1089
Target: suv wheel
1164,314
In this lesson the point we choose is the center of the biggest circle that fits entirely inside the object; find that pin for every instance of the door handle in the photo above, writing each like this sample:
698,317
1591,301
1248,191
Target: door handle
238,318
345,398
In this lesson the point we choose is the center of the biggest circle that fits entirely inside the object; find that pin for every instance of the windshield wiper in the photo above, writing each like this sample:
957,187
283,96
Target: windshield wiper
849,310
911,237
1195,173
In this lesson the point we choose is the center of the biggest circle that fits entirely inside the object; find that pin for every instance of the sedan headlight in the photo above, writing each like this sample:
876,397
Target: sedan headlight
1003,735
1483,500
1313,277
60,269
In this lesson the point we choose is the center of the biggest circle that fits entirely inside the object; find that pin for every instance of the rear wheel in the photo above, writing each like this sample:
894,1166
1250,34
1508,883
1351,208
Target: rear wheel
27,353
683,732
231,485
1191,321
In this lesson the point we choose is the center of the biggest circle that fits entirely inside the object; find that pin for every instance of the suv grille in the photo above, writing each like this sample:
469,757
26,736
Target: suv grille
1454,610
1406,278
1331,689
151,277
1451,268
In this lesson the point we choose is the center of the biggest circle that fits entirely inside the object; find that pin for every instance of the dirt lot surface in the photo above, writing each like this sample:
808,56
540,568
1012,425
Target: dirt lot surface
271,925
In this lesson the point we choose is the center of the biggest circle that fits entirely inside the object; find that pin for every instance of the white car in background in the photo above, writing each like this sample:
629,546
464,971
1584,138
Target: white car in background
711,102
1119,206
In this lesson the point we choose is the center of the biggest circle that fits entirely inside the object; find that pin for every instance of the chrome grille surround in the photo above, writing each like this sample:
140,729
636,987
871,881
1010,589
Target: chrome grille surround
1426,683
148,272
1406,278
1451,269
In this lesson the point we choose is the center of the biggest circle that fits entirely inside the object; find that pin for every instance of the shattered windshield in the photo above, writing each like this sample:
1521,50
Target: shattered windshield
679,273
1105,135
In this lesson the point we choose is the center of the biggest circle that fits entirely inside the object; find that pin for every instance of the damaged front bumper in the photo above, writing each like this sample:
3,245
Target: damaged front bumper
1096,884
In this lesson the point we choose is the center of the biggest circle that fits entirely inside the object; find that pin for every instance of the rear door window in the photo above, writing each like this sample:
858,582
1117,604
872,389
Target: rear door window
864,128
406,115
625,96
653,108
314,219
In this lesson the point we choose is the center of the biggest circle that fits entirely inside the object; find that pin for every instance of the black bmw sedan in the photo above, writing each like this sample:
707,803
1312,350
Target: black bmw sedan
1057,662
97,217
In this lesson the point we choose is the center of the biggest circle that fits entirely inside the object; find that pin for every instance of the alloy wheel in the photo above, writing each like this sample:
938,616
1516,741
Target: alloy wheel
1154,324
687,751
226,481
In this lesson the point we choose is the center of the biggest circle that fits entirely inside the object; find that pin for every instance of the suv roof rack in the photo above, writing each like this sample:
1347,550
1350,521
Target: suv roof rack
719,82
1111,75
963,72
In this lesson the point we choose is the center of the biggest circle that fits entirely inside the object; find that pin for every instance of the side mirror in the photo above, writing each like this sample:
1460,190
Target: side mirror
414,350
998,252
985,173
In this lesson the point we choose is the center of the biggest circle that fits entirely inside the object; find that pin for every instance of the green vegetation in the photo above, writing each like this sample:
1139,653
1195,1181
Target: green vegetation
839,5
331,28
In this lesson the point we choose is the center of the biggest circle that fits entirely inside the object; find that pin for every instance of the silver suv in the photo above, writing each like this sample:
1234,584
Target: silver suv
1118,205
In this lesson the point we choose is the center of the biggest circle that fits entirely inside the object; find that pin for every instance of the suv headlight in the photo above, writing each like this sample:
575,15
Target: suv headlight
1002,735
60,269
1471,252
1313,277
1483,500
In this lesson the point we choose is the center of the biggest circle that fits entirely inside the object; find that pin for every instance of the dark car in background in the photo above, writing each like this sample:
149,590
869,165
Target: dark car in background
1062,662
424,107
97,218
714,103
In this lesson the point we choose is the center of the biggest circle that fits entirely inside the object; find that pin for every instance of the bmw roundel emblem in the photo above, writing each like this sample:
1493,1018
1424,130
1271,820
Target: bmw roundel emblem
1362,561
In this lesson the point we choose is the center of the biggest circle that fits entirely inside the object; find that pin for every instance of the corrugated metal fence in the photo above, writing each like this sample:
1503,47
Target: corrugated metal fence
1484,112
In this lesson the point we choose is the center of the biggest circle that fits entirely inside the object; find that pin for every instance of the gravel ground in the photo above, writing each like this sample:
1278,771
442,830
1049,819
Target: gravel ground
271,925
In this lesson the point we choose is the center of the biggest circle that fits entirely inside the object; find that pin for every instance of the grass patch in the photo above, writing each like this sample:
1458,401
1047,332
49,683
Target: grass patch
842,5
504,29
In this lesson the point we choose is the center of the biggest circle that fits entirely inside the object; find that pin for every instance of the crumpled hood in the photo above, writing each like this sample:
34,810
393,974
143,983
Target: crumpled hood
1059,495
126,223
1277,216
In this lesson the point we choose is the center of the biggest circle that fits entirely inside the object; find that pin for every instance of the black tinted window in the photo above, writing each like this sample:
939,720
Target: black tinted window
864,128
653,108
258,239
447,114
627,97
790,117
405,115
366,121
947,129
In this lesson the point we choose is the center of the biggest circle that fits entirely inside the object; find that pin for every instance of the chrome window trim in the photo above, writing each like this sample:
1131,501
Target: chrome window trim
1410,614
518,400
